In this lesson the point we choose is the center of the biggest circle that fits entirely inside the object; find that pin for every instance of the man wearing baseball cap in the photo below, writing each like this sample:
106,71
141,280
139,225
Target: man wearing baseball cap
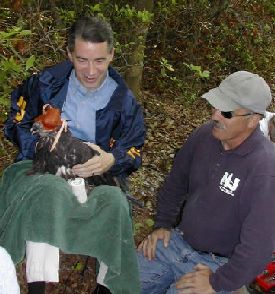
224,175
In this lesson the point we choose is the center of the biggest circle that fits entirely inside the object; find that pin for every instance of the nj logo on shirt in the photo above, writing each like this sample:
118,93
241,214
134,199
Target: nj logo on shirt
228,184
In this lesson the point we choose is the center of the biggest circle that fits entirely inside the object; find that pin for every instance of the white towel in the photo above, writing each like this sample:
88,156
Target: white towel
42,262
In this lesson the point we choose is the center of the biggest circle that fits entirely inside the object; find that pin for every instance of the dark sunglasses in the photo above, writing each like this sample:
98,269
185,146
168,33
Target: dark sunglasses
230,114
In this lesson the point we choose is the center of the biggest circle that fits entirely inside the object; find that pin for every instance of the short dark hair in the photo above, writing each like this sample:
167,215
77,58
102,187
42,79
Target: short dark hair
91,29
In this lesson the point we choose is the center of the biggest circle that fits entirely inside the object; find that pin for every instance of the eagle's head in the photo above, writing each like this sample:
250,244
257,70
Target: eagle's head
49,121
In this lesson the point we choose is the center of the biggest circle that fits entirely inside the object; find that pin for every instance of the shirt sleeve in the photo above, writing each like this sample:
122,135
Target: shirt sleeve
24,107
127,148
175,188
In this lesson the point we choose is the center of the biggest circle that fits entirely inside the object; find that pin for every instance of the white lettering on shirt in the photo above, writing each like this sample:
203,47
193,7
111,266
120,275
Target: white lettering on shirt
228,185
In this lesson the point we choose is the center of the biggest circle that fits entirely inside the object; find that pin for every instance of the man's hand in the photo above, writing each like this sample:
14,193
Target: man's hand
148,245
95,166
196,282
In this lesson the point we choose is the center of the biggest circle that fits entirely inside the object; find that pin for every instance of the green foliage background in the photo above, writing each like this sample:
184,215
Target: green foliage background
191,45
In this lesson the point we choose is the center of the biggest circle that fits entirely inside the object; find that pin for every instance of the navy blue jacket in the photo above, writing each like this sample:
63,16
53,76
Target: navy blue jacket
119,126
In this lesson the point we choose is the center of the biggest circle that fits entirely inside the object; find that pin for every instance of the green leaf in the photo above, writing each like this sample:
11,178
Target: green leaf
148,204
24,33
195,67
162,72
170,67
78,266
14,31
149,222
138,226
205,74
96,8
10,65
30,62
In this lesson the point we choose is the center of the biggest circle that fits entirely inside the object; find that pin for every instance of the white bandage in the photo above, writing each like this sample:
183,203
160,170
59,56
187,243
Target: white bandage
78,188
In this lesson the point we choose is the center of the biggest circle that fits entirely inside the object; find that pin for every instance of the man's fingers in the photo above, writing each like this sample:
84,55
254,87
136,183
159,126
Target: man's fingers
90,167
154,241
147,247
196,281
149,244
92,161
201,266
96,165
186,281
184,284
166,238
140,246
94,146
151,251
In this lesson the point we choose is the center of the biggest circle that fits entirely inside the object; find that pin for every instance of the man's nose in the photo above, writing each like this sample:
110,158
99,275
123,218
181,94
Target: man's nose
91,68
216,114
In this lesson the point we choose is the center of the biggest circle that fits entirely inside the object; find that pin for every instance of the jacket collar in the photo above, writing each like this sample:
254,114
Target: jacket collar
118,97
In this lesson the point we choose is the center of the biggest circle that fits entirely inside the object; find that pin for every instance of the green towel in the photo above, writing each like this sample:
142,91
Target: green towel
42,208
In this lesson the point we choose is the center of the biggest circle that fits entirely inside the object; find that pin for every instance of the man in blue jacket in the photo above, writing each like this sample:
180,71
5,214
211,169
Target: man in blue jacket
95,101
225,174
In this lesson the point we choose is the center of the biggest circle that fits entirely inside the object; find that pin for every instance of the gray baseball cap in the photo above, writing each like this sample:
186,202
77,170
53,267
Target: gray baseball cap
241,89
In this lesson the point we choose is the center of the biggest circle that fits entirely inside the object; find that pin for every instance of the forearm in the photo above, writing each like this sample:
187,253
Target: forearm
173,192
168,208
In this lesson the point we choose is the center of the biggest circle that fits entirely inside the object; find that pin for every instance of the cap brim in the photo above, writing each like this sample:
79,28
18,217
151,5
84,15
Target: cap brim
219,100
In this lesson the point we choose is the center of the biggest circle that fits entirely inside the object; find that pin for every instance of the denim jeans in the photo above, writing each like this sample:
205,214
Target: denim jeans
160,274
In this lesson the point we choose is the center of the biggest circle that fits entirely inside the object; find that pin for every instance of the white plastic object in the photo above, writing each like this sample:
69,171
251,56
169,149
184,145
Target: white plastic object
78,188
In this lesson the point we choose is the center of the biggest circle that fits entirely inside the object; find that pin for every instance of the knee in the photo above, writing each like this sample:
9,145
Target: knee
155,276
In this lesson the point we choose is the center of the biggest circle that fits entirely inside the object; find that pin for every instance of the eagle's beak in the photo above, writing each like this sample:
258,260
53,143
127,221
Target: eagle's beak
36,128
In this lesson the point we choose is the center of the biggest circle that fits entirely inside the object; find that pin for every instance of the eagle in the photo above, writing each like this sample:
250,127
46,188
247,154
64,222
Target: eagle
57,151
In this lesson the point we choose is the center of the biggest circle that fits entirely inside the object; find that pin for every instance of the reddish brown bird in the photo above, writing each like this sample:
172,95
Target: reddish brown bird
57,151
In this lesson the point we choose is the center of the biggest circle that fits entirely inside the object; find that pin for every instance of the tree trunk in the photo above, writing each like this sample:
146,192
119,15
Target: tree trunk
133,74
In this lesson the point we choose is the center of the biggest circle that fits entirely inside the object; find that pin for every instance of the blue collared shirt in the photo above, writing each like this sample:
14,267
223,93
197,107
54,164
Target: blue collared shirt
81,105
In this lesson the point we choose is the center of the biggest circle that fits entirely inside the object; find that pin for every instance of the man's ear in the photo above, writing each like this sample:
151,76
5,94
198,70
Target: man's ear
69,54
253,121
112,54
